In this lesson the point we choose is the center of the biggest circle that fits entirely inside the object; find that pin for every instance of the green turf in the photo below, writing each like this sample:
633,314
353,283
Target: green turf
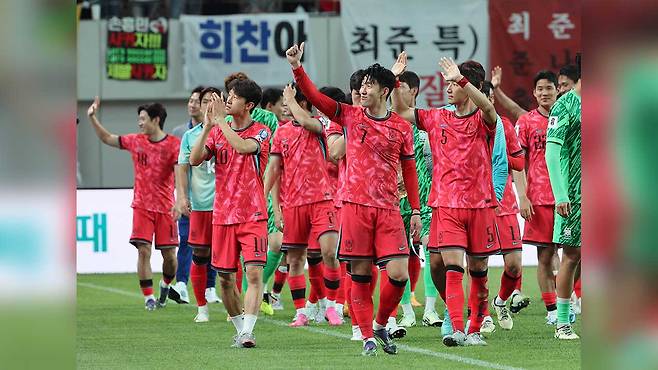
114,331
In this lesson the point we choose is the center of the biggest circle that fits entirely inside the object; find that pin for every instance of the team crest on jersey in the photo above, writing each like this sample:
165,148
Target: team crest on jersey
552,121
219,145
262,135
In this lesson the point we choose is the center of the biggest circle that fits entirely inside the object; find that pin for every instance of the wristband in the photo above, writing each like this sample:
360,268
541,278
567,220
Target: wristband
462,82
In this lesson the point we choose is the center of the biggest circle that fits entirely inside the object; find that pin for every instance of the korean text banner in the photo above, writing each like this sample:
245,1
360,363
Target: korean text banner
255,44
427,31
137,48
529,36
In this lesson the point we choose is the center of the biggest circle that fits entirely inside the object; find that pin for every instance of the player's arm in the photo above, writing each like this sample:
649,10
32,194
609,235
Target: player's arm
272,173
508,104
102,133
558,122
336,145
181,172
217,114
199,151
325,104
399,106
300,114
451,73
499,164
410,179
525,206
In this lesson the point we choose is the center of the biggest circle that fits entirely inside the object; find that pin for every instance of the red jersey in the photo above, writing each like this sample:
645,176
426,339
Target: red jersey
304,178
508,205
153,163
531,128
374,149
336,171
239,188
461,158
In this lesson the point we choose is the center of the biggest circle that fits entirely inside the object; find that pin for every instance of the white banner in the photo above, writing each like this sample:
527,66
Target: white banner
215,46
103,227
428,30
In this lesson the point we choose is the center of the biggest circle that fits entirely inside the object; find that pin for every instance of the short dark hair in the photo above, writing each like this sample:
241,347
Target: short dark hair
545,75
154,110
571,71
487,88
197,89
356,79
232,78
208,90
247,89
384,77
411,79
334,93
473,71
270,96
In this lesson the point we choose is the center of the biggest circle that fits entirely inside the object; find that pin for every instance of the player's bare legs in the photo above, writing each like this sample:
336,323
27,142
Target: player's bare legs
145,274
327,243
254,289
438,270
230,295
508,281
169,265
297,282
546,281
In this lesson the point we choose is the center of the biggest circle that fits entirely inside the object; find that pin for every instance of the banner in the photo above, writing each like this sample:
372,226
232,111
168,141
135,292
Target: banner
137,48
529,36
427,31
255,44
103,228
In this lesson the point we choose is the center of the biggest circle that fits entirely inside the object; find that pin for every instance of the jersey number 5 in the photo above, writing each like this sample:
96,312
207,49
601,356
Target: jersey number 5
444,138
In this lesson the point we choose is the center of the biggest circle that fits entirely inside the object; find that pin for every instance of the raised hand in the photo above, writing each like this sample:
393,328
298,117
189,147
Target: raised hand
294,55
93,108
218,107
400,64
496,76
289,93
450,69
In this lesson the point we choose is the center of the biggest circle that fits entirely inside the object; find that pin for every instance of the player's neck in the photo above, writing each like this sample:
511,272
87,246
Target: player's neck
157,136
196,120
465,108
544,111
378,111
241,121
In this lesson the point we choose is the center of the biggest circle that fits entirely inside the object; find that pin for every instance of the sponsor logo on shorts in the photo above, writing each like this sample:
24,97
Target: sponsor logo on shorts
515,243
401,248
258,213
490,245
567,233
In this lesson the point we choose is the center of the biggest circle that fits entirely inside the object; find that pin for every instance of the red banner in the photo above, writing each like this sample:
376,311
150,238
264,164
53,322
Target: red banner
528,36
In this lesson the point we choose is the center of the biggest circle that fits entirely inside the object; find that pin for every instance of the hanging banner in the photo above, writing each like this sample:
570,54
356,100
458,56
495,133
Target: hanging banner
427,31
529,36
255,44
137,48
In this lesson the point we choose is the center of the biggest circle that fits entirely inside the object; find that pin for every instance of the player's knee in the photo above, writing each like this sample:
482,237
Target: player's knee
254,275
226,281
513,269
143,251
201,253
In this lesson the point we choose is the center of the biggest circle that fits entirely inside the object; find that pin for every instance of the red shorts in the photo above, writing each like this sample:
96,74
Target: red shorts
303,225
369,233
200,229
509,233
473,230
539,230
146,223
228,241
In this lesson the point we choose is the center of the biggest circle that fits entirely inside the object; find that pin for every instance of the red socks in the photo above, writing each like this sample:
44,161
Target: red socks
167,279
298,290
477,299
455,296
332,282
146,286
279,280
550,300
577,287
389,298
361,304
199,278
414,270
507,285
315,278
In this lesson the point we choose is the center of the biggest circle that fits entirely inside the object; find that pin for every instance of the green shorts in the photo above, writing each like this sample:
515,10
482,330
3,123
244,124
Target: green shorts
567,230
270,217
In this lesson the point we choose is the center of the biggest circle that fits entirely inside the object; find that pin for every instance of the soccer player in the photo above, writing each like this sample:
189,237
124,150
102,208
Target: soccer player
377,142
274,236
409,87
297,160
507,225
178,291
200,185
567,78
563,160
462,195
273,101
239,211
154,155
